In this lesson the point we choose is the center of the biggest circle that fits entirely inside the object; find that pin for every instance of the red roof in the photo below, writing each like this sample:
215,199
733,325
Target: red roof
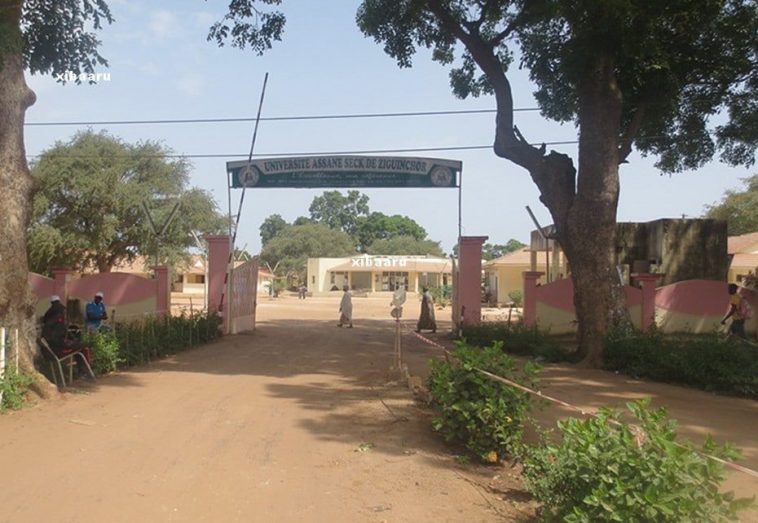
745,243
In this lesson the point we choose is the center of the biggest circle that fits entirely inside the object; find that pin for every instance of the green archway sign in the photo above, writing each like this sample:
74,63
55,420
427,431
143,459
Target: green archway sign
344,171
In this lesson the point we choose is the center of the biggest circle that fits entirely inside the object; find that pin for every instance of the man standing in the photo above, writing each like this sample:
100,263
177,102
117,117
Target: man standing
736,312
346,308
96,313
56,334
426,320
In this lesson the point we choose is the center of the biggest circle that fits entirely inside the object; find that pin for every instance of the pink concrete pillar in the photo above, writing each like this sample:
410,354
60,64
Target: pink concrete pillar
530,297
470,279
163,288
218,261
61,276
647,284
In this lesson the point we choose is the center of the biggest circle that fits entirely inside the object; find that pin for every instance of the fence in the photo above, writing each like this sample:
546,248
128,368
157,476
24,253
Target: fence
695,306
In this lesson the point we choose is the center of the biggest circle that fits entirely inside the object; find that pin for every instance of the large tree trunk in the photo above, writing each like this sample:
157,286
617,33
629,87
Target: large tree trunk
16,300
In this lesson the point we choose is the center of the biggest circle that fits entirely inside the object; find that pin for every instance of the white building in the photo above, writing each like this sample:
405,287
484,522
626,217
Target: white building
368,273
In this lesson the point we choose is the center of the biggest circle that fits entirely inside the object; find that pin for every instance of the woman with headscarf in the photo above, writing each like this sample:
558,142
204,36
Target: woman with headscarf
346,308
426,320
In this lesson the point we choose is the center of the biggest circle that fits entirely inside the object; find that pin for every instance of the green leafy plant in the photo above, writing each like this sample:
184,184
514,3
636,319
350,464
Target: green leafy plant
105,351
486,416
517,297
14,385
705,361
442,295
605,469
518,339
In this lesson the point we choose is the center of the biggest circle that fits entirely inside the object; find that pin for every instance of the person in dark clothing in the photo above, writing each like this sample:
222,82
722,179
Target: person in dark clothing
56,333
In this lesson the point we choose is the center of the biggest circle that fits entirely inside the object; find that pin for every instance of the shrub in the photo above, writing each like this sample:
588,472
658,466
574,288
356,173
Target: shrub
606,470
516,338
105,351
14,385
517,297
705,361
442,295
485,415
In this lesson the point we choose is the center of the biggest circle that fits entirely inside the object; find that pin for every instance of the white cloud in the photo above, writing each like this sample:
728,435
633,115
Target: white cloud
164,24
205,19
190,85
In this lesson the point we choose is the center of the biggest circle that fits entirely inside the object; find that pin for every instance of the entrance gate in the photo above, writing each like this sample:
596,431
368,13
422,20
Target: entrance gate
338,171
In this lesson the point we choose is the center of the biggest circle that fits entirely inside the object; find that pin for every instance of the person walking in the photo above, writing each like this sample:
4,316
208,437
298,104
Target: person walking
737,311
346,308
426,320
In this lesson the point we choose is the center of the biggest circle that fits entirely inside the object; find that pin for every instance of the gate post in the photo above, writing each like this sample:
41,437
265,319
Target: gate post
530,297
163,289
470,279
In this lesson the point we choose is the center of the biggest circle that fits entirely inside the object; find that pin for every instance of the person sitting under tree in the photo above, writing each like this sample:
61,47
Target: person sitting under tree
56,333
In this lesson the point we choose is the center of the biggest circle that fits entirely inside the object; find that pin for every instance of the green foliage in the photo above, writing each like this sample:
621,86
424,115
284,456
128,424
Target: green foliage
247,26
442,294
151,338
14,385
294,245
405,245
516,338
490,251
604,469
705,361
738,208
517,297
105,351
379,226
484,415
339,212
272,226
87,212
57,35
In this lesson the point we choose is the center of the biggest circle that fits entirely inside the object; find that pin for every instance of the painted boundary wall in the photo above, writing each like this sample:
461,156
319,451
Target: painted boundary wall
130,296
695,306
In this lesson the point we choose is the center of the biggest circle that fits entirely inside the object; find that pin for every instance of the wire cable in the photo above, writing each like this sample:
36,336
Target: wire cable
275,118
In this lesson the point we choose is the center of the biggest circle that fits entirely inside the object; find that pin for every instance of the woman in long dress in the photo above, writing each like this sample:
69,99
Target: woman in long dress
426,320
346,309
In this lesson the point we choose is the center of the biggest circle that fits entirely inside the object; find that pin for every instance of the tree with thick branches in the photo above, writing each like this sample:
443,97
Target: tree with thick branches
629,73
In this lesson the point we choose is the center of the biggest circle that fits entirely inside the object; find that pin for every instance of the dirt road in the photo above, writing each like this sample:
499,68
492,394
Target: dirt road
295,422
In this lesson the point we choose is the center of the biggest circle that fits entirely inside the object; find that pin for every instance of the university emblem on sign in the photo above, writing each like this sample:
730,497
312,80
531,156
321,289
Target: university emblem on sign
442,176
249,176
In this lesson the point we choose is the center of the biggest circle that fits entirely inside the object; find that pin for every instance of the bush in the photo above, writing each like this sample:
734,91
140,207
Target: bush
517,297
105,351
140,341
516,339
442,295
485,415
14,385
705,361
605,470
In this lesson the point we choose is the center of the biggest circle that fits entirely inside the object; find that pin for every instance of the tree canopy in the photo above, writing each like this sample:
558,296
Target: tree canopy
738,208
399,245
88,207
490,251
379,226
272,226
678,79
296,243
338,211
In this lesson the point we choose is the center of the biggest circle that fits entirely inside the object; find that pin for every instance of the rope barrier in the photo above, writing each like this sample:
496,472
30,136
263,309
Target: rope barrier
539,394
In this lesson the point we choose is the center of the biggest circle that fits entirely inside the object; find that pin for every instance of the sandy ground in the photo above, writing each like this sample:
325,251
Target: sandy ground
295,422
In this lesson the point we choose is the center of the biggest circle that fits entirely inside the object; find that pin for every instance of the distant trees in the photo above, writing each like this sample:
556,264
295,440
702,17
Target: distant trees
87,210
292,247
405,245
490,251
738,208
360,230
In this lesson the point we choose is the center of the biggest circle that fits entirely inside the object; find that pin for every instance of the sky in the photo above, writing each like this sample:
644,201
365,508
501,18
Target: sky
162,67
